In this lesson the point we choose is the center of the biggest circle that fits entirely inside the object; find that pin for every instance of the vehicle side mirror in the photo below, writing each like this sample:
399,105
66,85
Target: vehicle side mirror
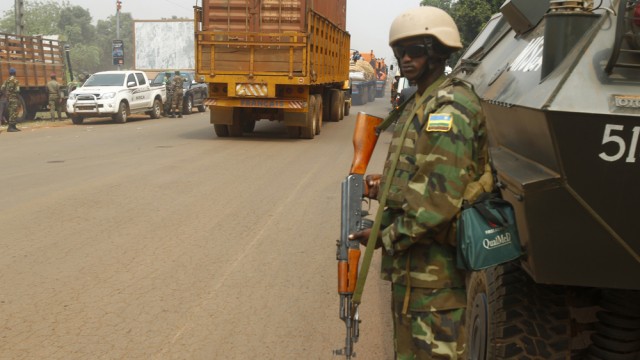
131,84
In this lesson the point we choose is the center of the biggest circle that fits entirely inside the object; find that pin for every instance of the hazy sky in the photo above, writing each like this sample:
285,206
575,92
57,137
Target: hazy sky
368,21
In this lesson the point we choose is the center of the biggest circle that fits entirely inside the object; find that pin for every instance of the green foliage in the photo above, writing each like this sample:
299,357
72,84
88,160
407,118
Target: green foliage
40,18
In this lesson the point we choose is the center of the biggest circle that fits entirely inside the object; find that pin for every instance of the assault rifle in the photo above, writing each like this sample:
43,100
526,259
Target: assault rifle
352,220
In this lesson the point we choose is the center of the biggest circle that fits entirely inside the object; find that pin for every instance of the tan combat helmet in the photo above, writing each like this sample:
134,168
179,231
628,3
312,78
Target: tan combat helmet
426,20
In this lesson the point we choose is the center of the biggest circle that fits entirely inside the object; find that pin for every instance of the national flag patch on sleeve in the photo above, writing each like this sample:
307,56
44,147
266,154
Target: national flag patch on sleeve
439,122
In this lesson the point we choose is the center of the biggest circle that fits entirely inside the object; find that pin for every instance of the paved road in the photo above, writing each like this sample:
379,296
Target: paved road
156,240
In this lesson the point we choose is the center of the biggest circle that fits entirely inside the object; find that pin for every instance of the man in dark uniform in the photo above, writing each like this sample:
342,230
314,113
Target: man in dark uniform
11,89
53,89
177,92
439,148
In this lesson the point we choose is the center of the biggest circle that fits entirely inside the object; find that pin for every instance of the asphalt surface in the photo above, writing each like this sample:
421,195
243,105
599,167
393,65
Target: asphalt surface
155,239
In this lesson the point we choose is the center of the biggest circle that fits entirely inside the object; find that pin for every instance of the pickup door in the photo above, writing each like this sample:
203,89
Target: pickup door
140,91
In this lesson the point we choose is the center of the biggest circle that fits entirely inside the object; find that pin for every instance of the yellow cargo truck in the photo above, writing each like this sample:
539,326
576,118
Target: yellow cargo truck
279,60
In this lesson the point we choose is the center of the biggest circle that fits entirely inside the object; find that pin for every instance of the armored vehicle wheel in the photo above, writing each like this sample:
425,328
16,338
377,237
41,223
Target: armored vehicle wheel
187,108
121,116
78,120
221,130
510,317
156,112
309,130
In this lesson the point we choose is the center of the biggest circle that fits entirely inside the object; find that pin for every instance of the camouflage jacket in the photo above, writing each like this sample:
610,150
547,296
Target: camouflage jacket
11,88
176,84
444,150
54,89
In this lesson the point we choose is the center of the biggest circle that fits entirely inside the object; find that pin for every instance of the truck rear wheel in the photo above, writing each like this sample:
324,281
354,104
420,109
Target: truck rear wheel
121,115
372,93
319,113
309,130
293,132
347,107
221,130
341,105
511,317
235,129
334,105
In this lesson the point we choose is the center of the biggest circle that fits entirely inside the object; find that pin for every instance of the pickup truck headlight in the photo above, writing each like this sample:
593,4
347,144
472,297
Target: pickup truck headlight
72,96
110,95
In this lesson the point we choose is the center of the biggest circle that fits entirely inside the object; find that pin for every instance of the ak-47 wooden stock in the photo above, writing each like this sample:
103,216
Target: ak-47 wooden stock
364,141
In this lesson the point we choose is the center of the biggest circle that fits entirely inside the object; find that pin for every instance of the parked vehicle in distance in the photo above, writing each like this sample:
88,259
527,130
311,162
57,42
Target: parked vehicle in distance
404,91
117,94
194,93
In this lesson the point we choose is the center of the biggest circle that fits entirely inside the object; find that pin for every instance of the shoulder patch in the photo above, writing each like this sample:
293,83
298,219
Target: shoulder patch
439,122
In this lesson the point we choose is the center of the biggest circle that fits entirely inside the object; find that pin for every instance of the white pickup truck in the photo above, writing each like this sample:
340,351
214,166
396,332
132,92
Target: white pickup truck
117,94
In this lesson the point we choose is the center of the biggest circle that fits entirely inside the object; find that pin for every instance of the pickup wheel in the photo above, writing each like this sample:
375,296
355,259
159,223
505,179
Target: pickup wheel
221,130
156,112
77,120
188,105
202,108
123,112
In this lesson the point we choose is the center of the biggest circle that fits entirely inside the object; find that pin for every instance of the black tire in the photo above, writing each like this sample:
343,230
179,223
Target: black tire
319,115
364,95
187,108
221,130
293,132
235,129
334,105
156,112
511,317
21,112
372,93
309,130
202,108
77,119
122,114
248,125
347,108
341,105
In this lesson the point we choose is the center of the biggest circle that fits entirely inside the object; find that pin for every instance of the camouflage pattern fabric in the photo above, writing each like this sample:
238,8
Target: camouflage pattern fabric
11,88
443,151
54,97
424,333
177,92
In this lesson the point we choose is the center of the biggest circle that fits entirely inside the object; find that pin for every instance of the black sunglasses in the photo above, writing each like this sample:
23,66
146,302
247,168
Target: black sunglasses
413,51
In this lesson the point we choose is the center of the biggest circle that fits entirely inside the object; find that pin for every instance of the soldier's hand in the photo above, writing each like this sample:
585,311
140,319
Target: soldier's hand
372,186
363,237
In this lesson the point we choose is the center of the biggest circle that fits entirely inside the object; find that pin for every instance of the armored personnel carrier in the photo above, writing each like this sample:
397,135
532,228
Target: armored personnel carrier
560,85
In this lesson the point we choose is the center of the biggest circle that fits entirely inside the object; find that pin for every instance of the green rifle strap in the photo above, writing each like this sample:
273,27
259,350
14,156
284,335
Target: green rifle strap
393,116
373,236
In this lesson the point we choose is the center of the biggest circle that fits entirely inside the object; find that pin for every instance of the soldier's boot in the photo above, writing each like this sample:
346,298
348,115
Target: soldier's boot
59,116
171,114
12,128
179,114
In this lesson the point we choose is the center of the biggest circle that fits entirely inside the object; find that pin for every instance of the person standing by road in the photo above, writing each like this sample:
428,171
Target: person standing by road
439,147
177,92
11,89
54,97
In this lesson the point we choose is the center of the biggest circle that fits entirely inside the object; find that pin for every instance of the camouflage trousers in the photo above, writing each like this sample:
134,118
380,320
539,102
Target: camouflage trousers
426,335
176,102
13,111
54,106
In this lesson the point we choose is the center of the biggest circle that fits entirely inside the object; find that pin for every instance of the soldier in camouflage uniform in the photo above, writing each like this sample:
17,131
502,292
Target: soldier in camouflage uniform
53,89
11,89
440,140
177,92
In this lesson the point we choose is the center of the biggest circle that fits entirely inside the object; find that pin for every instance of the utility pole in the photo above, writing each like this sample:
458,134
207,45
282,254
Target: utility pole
118,7
19,12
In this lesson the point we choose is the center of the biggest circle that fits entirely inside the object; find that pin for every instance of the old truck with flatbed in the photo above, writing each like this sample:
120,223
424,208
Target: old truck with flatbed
117,94
34,58
276,60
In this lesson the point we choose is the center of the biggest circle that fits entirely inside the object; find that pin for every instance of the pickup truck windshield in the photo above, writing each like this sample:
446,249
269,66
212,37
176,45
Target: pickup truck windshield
160,79
105,80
